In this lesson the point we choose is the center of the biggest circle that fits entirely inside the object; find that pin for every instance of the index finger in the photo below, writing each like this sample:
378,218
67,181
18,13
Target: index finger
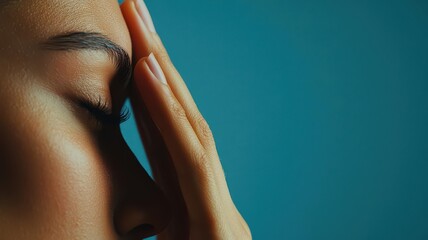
145,41
139,31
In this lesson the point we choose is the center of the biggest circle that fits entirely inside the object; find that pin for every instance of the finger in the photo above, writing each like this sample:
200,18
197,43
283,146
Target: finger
189,157
157,152
137,29
201,176
154,146
145,41
165,111
162,166
184,97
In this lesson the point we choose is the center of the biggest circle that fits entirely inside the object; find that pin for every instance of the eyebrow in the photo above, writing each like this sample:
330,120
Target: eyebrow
75,41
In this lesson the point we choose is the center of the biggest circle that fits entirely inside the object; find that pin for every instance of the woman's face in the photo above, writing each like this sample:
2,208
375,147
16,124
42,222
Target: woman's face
65,170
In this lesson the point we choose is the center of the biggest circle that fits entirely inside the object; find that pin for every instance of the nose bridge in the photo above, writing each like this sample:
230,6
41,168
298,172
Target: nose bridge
140,205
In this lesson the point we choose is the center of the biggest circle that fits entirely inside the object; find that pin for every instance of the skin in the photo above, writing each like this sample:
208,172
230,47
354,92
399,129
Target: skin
62,175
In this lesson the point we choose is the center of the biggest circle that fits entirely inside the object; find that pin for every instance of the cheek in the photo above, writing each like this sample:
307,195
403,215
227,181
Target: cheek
56,178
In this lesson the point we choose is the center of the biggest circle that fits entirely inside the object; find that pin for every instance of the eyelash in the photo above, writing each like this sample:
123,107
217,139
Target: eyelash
103,114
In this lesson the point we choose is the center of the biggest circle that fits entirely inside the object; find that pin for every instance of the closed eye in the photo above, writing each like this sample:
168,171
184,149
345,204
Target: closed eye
104,114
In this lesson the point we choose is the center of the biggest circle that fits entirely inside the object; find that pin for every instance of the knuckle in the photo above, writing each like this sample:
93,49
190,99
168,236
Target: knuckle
201,161
163,56
177,110
200,158
152,48
203,128
161,53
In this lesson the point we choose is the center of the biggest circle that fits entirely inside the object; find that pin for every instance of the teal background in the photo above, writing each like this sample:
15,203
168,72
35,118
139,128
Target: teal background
319,110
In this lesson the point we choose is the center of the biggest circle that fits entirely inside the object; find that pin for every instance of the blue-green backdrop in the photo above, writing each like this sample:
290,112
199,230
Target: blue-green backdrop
319,110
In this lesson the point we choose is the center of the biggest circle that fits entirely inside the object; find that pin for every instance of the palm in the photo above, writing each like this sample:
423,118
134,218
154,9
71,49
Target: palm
163,172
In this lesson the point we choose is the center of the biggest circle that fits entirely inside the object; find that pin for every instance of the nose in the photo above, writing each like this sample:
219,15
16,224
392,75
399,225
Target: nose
141,209
142,214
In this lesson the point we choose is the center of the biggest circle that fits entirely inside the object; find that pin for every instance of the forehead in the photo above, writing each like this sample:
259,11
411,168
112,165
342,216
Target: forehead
36,20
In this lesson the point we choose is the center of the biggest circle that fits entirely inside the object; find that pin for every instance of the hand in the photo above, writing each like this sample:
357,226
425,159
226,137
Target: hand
178,141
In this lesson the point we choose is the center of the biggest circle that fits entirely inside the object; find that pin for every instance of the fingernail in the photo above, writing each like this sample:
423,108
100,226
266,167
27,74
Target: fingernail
156,68
144,13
